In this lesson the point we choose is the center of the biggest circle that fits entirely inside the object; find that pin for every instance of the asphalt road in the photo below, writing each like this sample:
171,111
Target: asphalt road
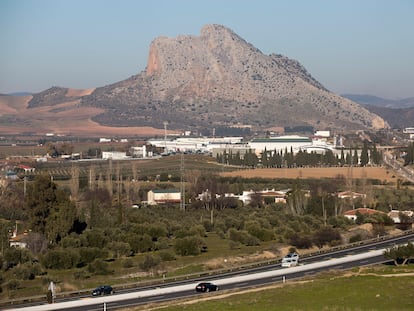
341,259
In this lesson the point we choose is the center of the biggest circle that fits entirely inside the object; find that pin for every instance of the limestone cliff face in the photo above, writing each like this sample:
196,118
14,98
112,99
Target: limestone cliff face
219,79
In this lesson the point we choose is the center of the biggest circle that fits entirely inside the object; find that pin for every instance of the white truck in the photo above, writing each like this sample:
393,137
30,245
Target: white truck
290,260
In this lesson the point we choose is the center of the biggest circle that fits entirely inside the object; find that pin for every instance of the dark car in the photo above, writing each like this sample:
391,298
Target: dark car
103,290
206,287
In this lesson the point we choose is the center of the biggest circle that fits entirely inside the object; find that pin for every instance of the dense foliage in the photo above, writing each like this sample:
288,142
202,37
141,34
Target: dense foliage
287,158
100,229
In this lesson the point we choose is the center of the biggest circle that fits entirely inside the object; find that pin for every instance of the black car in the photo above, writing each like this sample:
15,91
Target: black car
206,287
103,290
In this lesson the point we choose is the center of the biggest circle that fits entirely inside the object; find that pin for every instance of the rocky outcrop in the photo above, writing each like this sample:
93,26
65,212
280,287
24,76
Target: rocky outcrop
219,79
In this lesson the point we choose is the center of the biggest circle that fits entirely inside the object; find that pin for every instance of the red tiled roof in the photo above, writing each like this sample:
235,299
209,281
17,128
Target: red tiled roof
362,211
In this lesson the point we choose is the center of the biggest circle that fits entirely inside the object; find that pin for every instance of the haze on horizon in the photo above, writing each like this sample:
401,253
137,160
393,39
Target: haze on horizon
356,47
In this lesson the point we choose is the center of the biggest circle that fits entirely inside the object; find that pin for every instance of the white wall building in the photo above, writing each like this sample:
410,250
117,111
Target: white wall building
114,155
140,152
163,196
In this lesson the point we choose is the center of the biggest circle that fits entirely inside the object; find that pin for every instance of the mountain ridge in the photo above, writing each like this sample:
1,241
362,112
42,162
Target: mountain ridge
200,83
218,78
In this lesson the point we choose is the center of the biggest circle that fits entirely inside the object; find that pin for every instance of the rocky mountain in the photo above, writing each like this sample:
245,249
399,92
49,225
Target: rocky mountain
218,79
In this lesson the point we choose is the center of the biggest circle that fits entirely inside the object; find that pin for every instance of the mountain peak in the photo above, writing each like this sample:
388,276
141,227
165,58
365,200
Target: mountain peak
219,79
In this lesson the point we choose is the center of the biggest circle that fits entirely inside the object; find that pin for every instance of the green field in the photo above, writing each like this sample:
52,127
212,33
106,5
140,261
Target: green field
365,291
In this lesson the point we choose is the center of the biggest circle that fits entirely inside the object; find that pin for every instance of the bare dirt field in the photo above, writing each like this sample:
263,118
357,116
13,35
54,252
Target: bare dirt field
380,173
66,118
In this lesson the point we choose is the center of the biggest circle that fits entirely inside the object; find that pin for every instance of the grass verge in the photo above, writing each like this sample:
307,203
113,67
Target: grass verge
374,289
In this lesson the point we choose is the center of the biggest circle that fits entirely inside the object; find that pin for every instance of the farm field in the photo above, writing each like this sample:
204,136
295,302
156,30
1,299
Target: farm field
380,173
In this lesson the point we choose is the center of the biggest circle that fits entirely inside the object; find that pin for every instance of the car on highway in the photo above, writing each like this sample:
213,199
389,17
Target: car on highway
206,287
103,290
290,260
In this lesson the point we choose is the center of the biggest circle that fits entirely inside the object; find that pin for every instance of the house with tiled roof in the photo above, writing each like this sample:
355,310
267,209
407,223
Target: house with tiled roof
26,168
352,214
18,240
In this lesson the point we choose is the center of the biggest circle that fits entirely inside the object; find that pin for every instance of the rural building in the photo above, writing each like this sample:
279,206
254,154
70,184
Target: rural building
140,152
26,168
352,214
279,196
18,240
163,196
113,155
350,195
325,134
395,215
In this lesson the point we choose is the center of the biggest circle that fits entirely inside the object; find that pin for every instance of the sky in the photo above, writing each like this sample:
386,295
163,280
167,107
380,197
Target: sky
350,46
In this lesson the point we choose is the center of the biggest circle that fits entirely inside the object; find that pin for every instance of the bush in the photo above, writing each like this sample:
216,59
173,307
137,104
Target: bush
327,235
89,254
127,263
13,284
149,262
61,258
14,256
355,238
99,267
243,237
189,246
140,243
167,255
27,271
301,241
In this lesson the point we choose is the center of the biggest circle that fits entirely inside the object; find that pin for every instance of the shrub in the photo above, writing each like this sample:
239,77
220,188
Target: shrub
243,237
327,235
99,267
149,262
167,255
301,241
127,263
119,249
13,284
189,246
27,271
61,258
89,254
355,238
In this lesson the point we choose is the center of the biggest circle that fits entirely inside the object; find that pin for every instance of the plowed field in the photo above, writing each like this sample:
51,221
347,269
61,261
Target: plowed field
380,173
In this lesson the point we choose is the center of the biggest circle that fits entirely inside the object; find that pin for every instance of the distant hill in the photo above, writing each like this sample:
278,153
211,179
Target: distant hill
18,94
398,113
381,102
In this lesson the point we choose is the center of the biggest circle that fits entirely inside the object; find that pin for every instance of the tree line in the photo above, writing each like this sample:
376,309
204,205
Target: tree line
279,159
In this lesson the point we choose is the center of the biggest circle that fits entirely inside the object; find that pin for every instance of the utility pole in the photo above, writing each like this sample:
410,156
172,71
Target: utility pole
182,183
165,135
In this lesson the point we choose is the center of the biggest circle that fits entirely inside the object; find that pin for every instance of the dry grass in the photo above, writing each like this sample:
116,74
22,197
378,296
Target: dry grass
67,118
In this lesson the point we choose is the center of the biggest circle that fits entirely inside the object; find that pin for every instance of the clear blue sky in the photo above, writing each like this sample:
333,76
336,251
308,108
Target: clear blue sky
350,46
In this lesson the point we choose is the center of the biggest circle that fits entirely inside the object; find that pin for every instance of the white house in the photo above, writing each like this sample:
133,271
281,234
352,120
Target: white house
162,196
114,155
395,215
140,152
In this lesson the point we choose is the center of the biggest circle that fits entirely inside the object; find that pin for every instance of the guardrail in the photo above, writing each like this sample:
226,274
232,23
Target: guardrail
197,276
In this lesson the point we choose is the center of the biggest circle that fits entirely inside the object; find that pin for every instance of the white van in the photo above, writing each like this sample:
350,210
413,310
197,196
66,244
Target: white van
290,260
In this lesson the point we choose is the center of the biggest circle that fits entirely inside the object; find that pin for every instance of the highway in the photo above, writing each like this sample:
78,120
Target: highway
341,259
